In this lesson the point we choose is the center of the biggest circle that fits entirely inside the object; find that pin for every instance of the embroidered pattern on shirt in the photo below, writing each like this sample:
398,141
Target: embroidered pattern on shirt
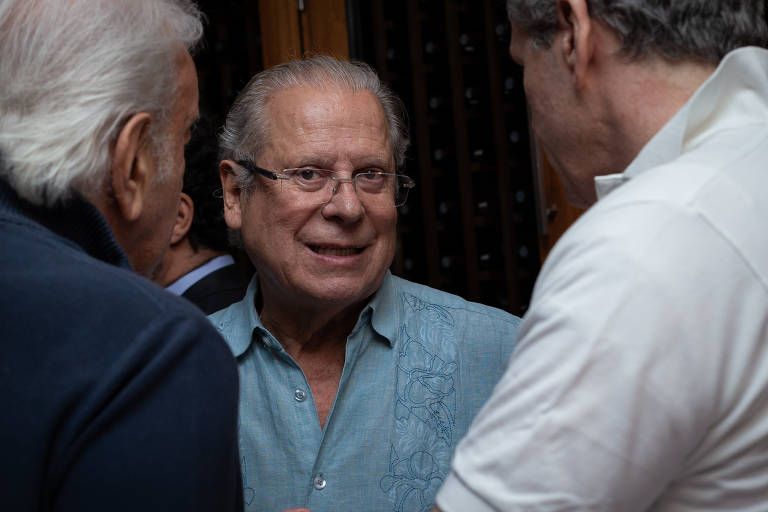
425,407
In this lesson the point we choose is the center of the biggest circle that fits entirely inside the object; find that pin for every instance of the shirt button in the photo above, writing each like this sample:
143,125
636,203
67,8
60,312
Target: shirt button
319,482
300,395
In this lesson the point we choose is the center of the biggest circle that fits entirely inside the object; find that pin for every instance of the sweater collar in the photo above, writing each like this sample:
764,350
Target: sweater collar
76,220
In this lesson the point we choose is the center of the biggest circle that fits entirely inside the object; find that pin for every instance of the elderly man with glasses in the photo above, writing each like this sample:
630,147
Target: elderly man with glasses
355,384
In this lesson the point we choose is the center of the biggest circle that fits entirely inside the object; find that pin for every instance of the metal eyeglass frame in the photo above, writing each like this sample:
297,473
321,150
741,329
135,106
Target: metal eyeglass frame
405,182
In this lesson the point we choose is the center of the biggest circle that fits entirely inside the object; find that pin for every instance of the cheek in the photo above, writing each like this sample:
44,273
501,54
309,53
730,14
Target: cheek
267,226
167,221
540,115
179,164
530,99
174,174
386,226
538,93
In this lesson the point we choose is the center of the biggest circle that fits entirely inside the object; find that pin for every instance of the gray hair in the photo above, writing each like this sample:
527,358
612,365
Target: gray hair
246,132
71,74
697,30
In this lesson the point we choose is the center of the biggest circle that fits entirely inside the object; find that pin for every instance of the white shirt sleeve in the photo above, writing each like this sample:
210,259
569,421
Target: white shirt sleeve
614,383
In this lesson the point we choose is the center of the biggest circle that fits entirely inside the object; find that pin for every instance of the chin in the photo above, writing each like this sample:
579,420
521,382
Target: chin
344,291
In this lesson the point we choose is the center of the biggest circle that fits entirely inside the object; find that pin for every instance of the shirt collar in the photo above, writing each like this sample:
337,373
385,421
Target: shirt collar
713,103
242,321
385,310
183,283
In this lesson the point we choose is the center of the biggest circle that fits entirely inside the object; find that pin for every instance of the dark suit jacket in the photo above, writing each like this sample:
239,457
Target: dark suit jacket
218,289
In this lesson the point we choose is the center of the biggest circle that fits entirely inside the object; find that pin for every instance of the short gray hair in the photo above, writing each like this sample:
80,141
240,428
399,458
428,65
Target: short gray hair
246,132
677,30
71,74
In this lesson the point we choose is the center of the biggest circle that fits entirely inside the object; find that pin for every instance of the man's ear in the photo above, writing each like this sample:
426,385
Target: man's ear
183,218
132,166
575,38
231,193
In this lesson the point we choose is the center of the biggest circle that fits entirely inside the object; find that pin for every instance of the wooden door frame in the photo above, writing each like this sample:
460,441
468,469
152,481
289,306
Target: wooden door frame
291,29
554,214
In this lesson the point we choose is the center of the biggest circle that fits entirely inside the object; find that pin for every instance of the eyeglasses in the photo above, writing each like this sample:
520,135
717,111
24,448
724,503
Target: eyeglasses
372,187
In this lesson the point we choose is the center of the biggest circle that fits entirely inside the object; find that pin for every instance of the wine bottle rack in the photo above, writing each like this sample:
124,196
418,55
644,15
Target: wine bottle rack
230,54
470,225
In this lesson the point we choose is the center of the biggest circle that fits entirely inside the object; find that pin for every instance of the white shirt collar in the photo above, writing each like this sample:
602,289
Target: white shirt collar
183,283
711,102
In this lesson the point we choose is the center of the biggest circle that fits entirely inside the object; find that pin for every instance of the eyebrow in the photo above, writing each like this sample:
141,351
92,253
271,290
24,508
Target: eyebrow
380,164
327,163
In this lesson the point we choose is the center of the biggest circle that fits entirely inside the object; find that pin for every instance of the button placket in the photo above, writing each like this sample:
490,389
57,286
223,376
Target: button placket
319,482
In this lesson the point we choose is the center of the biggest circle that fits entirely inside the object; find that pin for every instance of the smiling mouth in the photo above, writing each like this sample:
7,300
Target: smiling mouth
336,251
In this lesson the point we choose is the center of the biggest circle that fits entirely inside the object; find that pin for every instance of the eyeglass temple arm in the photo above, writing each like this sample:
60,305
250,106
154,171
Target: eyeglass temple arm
254,168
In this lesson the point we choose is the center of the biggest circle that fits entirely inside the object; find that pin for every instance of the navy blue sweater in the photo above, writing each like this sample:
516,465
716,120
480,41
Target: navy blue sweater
115,395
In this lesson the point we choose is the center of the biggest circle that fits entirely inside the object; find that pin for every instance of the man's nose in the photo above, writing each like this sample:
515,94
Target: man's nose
344,202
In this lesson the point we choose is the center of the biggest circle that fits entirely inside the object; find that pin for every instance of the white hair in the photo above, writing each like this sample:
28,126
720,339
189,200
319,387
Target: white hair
71,74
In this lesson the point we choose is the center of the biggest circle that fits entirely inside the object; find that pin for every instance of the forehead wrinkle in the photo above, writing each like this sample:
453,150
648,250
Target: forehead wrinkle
315,150
329,129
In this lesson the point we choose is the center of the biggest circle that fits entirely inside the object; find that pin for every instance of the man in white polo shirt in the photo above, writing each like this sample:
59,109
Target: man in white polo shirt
641,377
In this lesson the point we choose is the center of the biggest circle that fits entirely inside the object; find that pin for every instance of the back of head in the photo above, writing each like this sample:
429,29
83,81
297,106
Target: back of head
677,30
201,182
247,127
71,73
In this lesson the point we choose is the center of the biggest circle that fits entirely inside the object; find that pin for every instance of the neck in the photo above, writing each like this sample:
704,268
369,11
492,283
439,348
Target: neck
319,329
180,259
316,339
641,97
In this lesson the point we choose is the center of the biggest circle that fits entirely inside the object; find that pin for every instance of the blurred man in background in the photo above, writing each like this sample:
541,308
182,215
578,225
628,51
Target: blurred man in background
198,265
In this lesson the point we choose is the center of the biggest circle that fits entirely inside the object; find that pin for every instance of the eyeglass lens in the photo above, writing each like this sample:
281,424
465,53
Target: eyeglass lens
372,188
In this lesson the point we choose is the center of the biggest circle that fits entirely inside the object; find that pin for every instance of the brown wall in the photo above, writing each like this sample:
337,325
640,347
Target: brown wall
291,28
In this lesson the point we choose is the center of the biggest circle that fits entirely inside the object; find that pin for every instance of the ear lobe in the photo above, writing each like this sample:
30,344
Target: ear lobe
231,193
183,218
576,38
132,166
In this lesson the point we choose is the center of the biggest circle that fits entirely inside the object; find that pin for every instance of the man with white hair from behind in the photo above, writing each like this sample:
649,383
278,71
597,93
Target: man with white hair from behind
116,395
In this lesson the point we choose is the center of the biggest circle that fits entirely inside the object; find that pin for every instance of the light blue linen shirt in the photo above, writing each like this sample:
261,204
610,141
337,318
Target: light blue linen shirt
419,364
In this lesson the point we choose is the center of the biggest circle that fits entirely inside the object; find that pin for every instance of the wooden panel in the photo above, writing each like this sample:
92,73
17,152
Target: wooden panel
324,24
461,149
290,28
471,227
424,240
230,56
555,212
280,39
509,232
